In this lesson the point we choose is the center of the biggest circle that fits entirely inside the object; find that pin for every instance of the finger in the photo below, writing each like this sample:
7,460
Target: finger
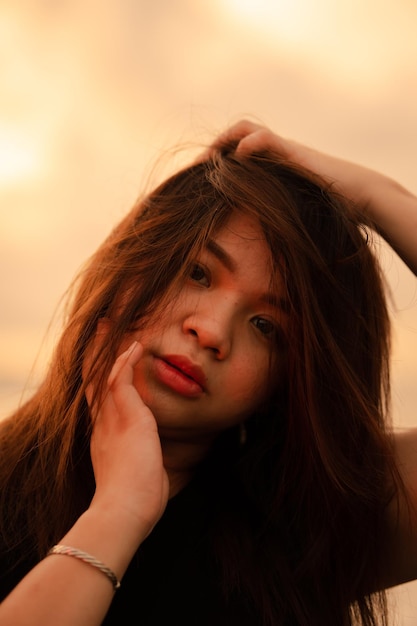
121,398
251,138
263,140
231,135
236,133
128,358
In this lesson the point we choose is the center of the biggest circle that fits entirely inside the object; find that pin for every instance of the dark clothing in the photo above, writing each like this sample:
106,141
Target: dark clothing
173,579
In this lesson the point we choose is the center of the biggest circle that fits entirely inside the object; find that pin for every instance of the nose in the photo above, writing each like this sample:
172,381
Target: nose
212,332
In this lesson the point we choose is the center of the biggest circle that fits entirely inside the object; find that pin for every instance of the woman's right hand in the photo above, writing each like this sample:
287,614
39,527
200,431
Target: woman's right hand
131,495
131,481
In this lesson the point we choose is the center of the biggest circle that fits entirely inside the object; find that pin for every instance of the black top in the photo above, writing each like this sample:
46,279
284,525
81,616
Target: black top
173,578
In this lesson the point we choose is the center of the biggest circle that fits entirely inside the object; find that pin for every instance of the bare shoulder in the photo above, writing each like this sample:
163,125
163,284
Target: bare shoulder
400,550
406,444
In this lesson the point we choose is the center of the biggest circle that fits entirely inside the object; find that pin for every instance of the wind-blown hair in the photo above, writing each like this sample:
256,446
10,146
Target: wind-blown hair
299,508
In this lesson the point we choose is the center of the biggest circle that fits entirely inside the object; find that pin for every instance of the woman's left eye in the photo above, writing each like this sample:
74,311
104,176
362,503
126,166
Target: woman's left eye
200,275
266,327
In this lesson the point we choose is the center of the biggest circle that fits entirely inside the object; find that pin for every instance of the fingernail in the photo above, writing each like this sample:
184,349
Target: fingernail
131,349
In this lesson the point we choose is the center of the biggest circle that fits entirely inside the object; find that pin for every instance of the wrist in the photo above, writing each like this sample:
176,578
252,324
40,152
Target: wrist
126,523
110,535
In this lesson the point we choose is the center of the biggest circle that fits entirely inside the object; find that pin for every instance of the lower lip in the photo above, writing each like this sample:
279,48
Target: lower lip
176,380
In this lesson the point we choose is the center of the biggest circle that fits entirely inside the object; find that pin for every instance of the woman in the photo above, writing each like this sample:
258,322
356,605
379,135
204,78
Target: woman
213,429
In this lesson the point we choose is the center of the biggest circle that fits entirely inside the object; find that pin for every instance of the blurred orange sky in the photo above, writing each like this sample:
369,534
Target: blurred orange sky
94,92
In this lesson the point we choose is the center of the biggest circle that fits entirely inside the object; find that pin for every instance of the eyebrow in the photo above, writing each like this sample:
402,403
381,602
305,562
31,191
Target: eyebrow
224,257
277,302
221,254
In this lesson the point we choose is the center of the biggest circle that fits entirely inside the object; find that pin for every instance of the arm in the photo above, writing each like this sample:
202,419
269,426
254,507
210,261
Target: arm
389,206
393,211
130,497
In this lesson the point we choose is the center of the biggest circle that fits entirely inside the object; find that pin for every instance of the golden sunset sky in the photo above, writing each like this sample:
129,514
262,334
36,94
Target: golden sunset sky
94,93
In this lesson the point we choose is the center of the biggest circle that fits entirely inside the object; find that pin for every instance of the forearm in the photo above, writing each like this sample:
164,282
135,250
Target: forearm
393,210
130,497
66,591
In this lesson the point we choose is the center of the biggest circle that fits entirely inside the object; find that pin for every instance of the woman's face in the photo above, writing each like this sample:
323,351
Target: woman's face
206,360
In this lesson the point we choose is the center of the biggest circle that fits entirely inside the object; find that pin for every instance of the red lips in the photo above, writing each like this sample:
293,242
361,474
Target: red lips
186,367
180,375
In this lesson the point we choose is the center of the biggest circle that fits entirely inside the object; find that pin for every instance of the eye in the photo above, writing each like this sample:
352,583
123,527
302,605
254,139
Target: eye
200,274
266,327
272,332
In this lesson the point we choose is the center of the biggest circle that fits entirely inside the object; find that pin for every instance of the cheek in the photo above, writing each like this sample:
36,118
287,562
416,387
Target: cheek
249,384
256,380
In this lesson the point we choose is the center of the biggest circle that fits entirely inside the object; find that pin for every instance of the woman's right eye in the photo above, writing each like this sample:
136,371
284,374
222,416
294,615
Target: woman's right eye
200,275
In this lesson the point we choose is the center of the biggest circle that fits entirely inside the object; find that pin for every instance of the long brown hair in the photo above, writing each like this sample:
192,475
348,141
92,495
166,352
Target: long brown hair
308,491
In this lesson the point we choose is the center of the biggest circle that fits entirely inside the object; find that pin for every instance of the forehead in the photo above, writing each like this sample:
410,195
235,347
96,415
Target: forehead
243,226
241,247
242,237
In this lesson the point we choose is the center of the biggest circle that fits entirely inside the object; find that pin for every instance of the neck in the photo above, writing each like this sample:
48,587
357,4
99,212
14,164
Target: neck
181,459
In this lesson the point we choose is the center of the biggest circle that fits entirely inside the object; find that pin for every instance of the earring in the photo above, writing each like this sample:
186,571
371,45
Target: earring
243,434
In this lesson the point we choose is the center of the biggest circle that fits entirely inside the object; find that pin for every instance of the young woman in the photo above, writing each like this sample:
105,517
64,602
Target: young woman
213,429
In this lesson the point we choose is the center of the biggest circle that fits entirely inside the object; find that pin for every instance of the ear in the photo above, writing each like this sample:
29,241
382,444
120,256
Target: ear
103,327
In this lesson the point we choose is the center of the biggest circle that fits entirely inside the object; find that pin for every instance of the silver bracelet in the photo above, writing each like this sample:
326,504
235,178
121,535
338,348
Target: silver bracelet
87,558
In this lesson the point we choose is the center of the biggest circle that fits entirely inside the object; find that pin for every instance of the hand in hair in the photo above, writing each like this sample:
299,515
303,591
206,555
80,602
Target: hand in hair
379,200
250,138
